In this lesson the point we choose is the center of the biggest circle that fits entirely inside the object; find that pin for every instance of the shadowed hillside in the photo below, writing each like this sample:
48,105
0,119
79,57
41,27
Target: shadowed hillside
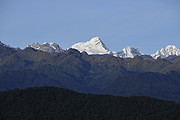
51,103
98,74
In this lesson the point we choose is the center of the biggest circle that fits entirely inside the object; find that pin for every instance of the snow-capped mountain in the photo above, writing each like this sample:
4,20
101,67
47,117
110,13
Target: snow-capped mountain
93,47
4,45
129,52
1,43
47,47
167,51
96,47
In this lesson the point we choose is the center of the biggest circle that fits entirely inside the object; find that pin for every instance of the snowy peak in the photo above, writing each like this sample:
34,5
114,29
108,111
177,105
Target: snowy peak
7,46
92,47
95,40
129,52
95,46
167,51
47,47
171,47
2,44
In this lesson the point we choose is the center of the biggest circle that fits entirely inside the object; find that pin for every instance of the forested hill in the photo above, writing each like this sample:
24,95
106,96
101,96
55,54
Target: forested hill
50,103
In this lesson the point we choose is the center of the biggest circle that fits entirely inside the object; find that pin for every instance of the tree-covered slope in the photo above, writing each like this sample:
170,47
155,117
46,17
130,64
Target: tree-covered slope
51,103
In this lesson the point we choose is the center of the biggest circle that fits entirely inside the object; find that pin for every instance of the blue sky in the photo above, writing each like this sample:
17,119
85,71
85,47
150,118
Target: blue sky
145,24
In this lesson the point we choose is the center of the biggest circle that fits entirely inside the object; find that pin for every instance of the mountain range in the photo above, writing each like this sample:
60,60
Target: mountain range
95,46
47,47
98,74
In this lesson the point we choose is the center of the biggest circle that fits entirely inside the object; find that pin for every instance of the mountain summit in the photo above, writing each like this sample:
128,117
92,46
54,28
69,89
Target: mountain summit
92,47
95,46
129,52
167,51
47,47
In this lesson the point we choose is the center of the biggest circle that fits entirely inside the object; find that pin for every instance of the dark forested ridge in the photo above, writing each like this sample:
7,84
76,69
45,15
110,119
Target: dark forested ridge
105,74
49,103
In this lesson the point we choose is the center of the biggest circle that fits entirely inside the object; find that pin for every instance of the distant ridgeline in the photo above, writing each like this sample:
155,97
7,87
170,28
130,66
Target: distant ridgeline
49,103
84,70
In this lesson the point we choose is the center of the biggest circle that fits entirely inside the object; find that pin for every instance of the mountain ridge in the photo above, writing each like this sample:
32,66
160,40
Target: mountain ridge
47,47
95,46
89,73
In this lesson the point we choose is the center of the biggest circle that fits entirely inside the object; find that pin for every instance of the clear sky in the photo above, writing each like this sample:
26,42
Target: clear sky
145,24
